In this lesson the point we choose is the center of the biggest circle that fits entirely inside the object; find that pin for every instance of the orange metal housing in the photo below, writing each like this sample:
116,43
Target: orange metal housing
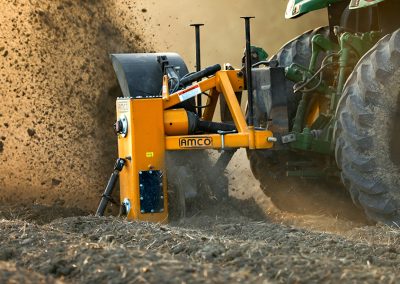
176,122
143,148
154,127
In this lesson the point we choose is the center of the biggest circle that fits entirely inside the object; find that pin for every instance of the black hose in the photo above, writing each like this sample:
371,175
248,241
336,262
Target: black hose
300,86
214,127
187,80
198,125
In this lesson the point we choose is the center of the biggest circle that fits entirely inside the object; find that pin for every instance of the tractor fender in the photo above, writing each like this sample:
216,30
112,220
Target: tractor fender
357,4
296,8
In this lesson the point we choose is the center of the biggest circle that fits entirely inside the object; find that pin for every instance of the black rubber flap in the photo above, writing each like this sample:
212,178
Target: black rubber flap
140,74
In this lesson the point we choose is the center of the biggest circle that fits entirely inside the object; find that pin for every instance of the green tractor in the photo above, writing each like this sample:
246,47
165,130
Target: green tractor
342,95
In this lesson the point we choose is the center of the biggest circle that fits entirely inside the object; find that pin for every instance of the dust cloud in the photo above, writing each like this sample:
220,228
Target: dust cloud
57,87
223,33
57,91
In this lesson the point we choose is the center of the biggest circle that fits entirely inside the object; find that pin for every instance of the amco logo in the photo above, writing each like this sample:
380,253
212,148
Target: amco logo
201,142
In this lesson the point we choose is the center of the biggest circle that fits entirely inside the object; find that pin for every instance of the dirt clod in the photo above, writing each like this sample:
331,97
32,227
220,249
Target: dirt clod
31,132
55,181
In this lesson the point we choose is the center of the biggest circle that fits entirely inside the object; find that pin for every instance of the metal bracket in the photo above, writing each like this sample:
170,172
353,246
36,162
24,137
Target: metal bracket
223,133
288,138
119,164
127,204
121,127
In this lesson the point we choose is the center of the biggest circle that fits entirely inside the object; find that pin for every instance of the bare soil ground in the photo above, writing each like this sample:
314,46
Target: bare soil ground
242,239
207,248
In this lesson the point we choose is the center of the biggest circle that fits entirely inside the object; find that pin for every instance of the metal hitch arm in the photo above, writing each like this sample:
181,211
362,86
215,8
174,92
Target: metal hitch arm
106,197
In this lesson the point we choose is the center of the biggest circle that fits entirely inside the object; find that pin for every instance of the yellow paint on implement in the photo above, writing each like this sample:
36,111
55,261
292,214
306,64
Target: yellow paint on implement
176,122
154,127
144,144
234,140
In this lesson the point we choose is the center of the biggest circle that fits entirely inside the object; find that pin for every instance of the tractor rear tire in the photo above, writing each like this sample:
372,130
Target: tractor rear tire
367,132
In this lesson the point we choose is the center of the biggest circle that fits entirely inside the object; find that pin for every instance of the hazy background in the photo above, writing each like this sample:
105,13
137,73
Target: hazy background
223,34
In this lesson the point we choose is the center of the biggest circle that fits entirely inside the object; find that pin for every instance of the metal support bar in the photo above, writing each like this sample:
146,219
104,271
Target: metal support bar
224,160
198,60
248,71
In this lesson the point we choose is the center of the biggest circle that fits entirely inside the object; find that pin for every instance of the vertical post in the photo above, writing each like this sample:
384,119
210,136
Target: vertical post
198,59
249,78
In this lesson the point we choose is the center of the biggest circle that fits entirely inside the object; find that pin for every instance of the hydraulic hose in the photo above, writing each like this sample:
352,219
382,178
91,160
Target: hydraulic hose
187,80
214,127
